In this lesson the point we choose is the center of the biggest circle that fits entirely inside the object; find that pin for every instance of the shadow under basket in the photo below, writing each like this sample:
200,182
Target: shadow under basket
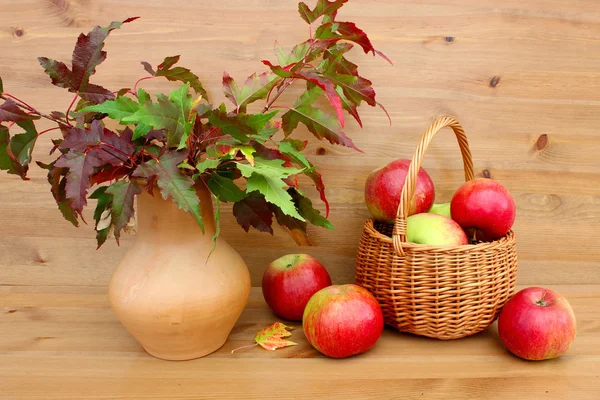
443,292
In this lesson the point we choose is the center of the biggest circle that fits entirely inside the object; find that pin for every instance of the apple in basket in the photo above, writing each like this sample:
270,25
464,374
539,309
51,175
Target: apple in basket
537,324
441,209
484,208
384,185
342,320
434,229
290,281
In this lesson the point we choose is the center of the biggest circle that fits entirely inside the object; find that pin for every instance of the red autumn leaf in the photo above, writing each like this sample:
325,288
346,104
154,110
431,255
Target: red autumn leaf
332,32
88,54
328,86
11,112
253,211
319,123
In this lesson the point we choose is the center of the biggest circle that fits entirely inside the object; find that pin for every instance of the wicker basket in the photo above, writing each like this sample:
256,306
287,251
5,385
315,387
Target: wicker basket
444,292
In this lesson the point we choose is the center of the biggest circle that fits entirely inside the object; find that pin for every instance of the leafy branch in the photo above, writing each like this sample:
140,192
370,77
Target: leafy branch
174,141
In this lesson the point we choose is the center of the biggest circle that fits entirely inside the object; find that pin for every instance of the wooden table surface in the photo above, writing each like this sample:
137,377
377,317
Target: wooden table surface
65,343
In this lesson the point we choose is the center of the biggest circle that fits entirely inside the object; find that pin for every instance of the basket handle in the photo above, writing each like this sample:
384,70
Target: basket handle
408,191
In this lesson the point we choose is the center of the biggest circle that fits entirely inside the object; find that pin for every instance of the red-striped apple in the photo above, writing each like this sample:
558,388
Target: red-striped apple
537,324
342,320
484,208
290,281
384,185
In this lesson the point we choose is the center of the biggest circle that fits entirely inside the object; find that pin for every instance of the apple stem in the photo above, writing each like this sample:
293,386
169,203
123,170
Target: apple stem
244,347
542,301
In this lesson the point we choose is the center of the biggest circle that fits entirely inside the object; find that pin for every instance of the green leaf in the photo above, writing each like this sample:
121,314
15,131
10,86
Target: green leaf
172,183
273,190
123,193
217,223
167,113
240,126
271,168
323,8
271,128
208,163
15,152
140,131
298,53
287,148
306,209
143,96
255,88
103,203
118,109
319,123
225,188
180,74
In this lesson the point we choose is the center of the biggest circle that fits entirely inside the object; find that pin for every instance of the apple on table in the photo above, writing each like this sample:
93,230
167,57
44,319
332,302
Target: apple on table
290,281
342,320
537,324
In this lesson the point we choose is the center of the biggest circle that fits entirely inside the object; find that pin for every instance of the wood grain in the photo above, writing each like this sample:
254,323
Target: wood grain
522,77
60,342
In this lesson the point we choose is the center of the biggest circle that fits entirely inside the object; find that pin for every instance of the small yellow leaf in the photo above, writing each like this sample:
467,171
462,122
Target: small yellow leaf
271,338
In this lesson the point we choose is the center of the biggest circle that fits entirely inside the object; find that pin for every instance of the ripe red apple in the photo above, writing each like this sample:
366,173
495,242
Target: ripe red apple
342,320
290,281
537,324
434,229
484,209
384,185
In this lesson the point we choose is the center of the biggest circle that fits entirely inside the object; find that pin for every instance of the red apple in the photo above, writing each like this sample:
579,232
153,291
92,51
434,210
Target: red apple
342,320
384,185
290,281
484,209
537,324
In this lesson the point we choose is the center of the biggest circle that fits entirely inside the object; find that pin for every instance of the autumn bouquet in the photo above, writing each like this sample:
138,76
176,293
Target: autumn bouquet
172,142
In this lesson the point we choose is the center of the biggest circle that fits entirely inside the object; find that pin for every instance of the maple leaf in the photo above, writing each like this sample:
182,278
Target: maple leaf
253,211
170,114
123,194
266,177
272,337
300,52
306,209
58,182
87,150
319,123
102,207
11,112
255,88
87,55
172,183
15,152
225,188
323,8
240,126
118,109
327,84
332,32
180,74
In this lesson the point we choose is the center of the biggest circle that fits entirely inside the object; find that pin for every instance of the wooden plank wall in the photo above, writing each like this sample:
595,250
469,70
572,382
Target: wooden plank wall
522,76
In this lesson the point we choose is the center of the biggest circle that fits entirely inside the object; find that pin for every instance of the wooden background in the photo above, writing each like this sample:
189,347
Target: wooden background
522,76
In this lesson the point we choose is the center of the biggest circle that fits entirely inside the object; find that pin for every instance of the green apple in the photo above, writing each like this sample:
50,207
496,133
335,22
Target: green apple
441,209
435,230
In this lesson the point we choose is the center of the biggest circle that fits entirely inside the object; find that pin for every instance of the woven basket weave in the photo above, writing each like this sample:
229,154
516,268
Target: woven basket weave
443,292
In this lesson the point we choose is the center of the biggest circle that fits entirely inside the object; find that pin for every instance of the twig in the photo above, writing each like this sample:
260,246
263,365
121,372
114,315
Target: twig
22,104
